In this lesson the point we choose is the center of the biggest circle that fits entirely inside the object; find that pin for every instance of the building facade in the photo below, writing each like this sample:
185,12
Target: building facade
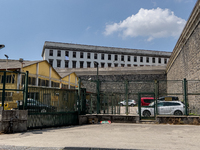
66,55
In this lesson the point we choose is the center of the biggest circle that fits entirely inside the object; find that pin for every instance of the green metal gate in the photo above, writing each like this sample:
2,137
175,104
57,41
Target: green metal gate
51,107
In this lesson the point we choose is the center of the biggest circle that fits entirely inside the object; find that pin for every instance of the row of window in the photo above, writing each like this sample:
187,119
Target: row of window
116,57
88,64
9,78
41,82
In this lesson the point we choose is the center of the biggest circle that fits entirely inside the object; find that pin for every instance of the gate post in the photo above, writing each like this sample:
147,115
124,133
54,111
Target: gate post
126,84
185,95
4,86
98,97
156,97
79,95
25,90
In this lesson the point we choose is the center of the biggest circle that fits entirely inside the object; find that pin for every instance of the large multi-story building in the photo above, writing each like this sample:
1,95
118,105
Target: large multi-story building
67,55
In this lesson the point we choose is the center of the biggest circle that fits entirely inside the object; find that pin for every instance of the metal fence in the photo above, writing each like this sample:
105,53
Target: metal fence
12,89
105,97
49,107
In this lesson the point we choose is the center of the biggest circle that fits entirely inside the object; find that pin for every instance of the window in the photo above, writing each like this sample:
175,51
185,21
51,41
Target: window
129,58
135,58
102,65
147,59
122,65
51,62
50,52
141,65
109,57
102,56
109,64
116,65
153,60
58,53
116,57
9,78
58,63
141,59
74,54
88,64
159,60
55,84
81,64
66,64
95,56
81,54
135,65
165,61
67,53
31,81
73,64
42,82
128,65
122,58
64,86
88,55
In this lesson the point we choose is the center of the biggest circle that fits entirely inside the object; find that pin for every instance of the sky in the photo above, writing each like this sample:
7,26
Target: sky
25,25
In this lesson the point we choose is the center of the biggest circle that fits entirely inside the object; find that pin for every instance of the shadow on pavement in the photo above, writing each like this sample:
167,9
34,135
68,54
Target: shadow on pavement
90,148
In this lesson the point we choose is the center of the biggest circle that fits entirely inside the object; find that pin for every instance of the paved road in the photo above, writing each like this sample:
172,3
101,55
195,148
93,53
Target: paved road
118,136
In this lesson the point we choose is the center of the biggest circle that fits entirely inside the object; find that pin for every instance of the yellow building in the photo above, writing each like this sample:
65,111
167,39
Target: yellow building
41,73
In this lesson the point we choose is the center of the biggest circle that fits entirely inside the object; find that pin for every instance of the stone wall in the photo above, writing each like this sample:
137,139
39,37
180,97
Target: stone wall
116,84
12,121
187,64
184,61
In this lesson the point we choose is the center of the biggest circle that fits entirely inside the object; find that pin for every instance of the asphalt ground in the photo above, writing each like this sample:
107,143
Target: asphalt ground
106,136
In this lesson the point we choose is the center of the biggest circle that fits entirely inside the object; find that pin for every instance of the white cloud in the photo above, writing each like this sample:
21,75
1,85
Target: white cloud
153,23
88,28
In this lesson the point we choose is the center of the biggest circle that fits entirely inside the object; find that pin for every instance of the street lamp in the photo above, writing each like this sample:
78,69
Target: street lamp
98,94
2,46
6,61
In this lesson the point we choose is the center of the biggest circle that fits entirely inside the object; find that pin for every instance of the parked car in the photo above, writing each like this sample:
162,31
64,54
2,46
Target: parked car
145,101
130,102
36,106
164,108
168,98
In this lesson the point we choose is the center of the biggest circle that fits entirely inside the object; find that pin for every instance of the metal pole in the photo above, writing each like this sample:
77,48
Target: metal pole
126,82
139,105
97,86
156,96
79,95
26,90
3,92
185,96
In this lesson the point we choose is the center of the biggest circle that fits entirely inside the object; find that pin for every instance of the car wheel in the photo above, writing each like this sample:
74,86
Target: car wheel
146,113
43,110
121,104
178,112
132,105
